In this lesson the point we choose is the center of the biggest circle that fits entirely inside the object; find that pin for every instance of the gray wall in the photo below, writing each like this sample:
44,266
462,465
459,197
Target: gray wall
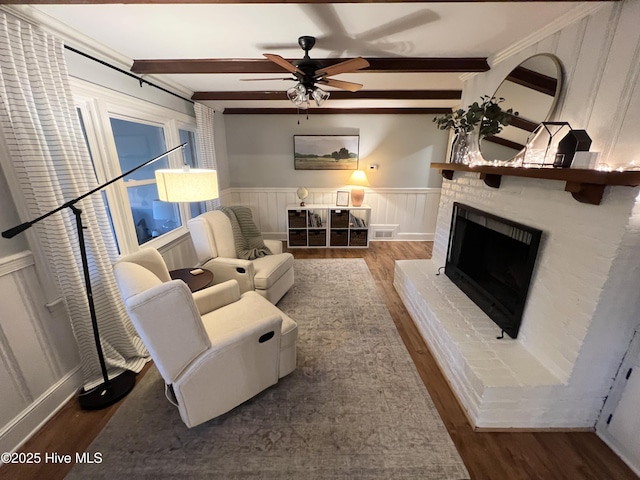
220,146
94,72
260,149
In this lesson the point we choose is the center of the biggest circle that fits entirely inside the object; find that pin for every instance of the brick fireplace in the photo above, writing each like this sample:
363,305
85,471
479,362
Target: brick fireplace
582,307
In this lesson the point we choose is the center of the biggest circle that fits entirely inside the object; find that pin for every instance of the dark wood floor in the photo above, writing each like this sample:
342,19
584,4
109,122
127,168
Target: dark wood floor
487,455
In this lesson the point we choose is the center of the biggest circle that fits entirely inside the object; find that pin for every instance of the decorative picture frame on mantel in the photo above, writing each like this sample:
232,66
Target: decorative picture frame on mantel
326,152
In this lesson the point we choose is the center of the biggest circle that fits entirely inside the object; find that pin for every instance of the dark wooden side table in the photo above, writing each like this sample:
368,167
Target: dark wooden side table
194,282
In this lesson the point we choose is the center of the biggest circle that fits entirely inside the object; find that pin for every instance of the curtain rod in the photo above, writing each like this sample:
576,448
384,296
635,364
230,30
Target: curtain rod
140,79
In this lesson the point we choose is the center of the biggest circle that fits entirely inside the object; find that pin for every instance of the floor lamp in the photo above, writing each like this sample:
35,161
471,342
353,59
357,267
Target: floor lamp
203,184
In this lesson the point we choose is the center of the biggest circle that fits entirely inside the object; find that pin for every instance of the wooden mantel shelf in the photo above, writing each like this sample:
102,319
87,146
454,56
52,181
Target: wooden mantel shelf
586,186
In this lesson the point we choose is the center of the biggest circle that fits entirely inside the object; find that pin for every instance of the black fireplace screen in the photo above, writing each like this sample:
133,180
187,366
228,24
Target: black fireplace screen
491,260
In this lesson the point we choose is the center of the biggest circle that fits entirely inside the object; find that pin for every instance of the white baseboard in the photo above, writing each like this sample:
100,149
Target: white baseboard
632,463
415,237
31,419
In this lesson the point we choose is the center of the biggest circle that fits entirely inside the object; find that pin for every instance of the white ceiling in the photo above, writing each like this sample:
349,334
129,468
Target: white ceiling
204,31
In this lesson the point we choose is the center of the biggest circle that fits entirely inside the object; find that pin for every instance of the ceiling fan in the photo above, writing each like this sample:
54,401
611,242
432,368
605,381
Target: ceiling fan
308,73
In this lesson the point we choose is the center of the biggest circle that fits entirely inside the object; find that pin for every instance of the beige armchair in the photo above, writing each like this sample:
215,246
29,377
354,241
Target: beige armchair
271,276
215,348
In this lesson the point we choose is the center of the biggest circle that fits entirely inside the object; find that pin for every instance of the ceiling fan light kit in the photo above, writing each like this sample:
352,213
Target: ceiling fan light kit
300,96
320,95
307,72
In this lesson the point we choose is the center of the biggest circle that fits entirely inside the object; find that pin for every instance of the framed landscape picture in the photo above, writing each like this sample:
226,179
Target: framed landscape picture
325,152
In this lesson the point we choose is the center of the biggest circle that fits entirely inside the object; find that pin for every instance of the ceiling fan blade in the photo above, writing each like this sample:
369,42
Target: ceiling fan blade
278,60
343,67
262,79
350,86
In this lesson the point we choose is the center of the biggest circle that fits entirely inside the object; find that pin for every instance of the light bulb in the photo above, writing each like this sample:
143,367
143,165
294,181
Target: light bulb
319,96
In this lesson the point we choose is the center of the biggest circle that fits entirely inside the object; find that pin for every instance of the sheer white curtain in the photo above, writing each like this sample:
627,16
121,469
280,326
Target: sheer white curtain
49,159
206,146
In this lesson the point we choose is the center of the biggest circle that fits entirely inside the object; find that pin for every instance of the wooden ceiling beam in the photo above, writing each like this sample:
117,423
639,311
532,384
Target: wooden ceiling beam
335,95
336,111
202,2
257,66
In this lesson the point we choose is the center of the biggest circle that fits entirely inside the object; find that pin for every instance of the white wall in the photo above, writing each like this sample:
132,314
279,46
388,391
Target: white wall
583,304
600,57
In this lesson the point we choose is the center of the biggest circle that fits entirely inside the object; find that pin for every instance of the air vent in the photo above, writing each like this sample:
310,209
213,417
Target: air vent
382,231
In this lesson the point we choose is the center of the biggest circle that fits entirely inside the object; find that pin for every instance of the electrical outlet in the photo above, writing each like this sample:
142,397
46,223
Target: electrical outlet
373,167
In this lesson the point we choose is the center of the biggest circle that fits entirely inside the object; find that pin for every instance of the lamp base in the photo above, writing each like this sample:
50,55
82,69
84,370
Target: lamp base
105,395
357,196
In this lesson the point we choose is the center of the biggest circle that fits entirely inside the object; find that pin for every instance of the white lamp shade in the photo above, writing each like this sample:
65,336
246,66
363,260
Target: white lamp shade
192,185
359,178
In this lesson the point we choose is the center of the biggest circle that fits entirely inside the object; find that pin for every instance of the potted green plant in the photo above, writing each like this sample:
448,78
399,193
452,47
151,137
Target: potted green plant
487,114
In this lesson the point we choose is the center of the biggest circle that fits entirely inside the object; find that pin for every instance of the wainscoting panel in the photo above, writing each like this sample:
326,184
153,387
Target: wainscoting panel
180,253
38,355
412,211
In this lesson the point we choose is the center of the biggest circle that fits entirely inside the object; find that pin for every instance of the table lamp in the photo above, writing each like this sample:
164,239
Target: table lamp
359,180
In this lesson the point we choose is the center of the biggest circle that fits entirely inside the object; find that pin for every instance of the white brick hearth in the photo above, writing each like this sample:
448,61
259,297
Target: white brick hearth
497,381
581,311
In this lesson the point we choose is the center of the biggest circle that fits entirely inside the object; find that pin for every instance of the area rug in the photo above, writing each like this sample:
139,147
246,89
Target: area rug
355,407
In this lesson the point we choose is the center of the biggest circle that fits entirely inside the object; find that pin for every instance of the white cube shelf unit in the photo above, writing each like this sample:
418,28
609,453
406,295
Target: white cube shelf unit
324,226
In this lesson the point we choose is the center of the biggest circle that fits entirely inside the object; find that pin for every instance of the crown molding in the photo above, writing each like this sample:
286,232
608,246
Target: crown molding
578,12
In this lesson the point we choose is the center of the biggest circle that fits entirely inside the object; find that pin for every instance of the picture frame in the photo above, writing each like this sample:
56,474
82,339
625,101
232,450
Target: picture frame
342,198
326,152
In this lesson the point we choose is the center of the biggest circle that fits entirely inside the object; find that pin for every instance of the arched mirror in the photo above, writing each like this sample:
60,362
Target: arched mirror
532,90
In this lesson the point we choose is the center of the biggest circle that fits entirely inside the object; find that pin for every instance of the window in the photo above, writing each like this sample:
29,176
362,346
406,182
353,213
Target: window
122,133
103,194
137,143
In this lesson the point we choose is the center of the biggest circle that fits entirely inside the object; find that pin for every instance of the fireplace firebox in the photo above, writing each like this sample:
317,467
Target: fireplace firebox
491,259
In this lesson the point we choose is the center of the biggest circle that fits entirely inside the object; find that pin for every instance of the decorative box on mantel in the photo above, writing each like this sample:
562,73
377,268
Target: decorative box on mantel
586,186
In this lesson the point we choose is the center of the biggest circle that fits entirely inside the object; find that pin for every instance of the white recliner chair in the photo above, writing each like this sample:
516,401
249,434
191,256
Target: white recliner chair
215,348
271,276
